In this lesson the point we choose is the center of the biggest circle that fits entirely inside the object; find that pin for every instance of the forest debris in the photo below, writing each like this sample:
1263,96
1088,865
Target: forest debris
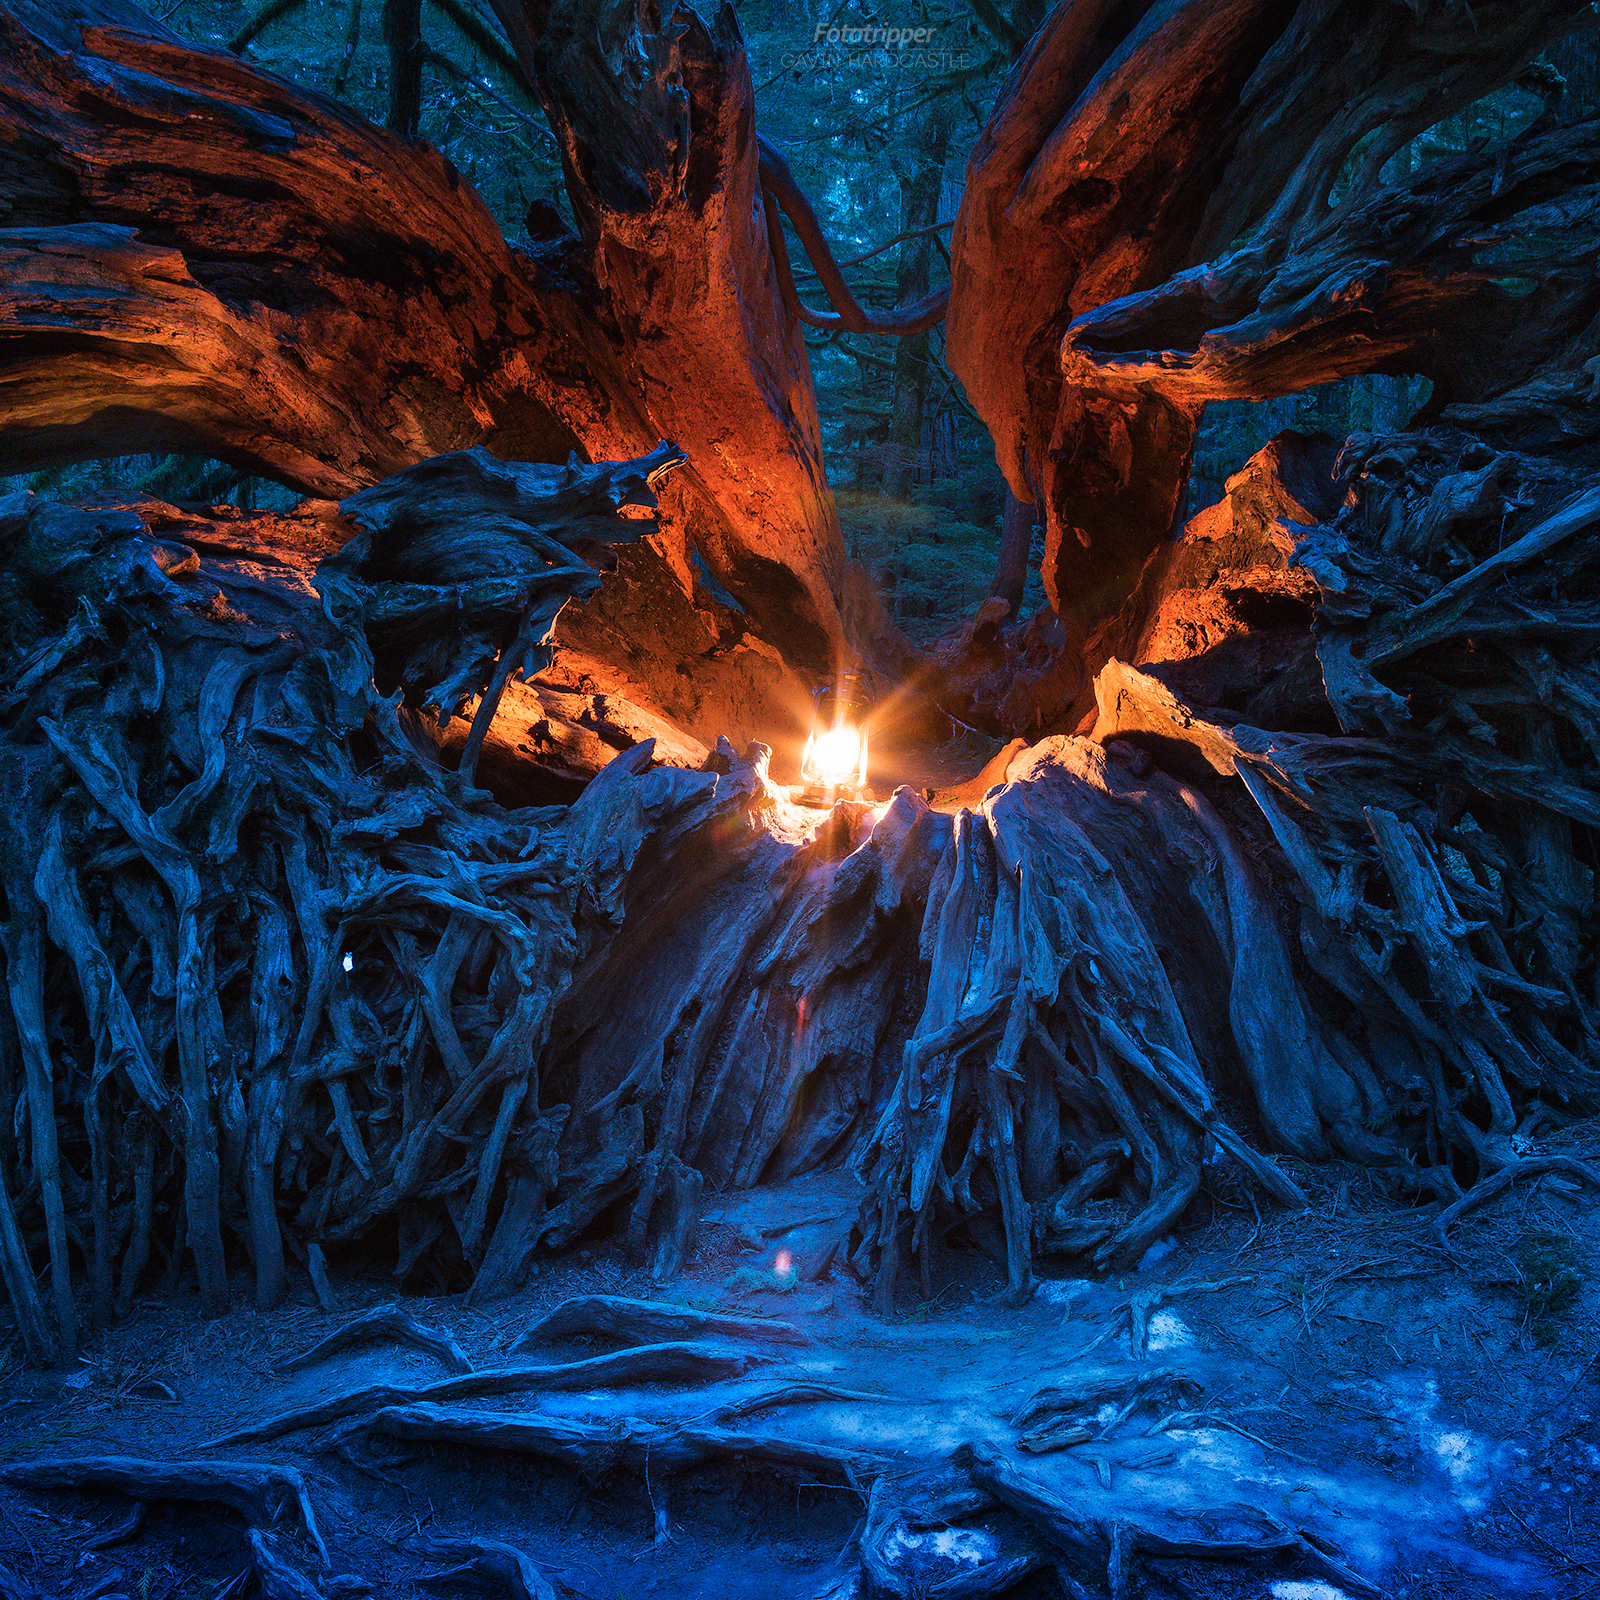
619,1369
259,1492
1132,1454
382,1322
1063,1415
502,1565
15,1587
1139,1308
609,1316
123,1530
1212,1419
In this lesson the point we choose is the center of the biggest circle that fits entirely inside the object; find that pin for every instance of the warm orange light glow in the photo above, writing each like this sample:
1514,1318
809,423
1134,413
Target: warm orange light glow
837,758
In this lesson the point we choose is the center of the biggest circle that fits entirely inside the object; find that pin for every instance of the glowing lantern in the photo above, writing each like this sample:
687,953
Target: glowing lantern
834,764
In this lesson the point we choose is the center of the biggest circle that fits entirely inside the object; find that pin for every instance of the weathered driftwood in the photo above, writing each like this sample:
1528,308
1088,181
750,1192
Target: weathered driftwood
609,1316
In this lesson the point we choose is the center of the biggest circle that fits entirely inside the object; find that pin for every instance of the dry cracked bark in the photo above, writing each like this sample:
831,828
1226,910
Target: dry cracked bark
1201,194
200,256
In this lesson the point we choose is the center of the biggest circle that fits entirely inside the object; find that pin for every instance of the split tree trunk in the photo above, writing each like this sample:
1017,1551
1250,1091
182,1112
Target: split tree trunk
317,301
1181,184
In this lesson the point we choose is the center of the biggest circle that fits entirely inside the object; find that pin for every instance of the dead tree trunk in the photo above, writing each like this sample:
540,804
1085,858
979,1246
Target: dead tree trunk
1184,187
199,256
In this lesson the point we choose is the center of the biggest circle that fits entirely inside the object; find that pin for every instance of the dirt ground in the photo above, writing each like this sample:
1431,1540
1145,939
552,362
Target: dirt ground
1426,1416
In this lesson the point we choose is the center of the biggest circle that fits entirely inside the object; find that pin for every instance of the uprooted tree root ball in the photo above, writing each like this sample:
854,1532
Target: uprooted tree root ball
405,884
315,986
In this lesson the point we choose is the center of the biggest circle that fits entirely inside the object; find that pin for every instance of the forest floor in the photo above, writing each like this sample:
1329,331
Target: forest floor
1430,1413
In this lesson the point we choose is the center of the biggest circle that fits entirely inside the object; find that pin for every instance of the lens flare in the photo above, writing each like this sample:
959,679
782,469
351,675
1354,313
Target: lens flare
835,758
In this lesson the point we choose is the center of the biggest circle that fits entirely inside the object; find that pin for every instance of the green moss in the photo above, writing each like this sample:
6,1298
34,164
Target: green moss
1547,1263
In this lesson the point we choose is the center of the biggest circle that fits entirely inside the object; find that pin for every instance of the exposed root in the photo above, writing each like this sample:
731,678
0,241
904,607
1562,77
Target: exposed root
14,1587
258,1492
1480,1194
791,1394
1062,1415
1016,1024
383,1322
277,1578
488,1562
621,1369
593,1450
1092,1547
609,1316
991,1578
304,969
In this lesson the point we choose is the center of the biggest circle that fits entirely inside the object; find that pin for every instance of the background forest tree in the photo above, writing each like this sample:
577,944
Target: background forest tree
878,137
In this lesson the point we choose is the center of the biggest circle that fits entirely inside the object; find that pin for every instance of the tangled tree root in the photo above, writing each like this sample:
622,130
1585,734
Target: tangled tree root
1059,1416
288,978
1480,1194
261,1493
306,985
1088,1547
609,1316
487,1561
382,1322
657,1363
1090,1541
277,1578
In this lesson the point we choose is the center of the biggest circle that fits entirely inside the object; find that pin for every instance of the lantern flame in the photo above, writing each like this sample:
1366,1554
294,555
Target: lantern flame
836,759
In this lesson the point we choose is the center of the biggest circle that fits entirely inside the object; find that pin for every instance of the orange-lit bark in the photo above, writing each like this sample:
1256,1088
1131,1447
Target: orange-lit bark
202,257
